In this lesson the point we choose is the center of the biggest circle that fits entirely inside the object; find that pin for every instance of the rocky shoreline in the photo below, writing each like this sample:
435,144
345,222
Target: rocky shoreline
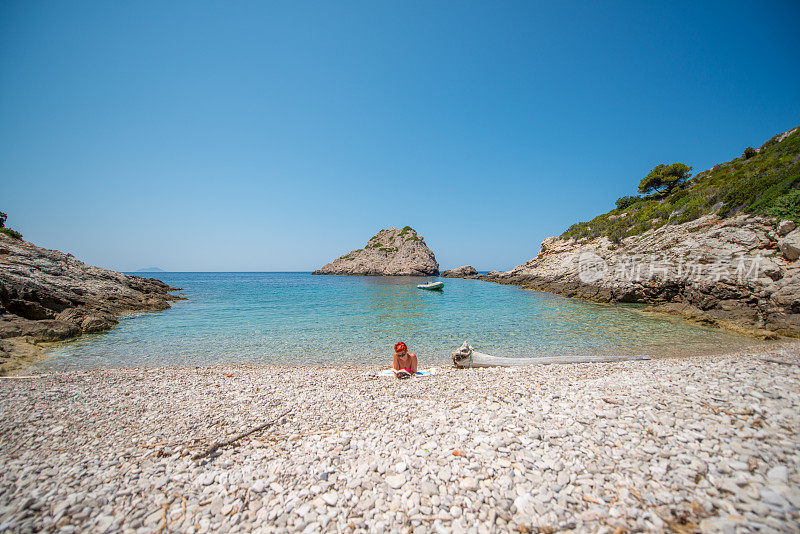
740,273
676,444
47,296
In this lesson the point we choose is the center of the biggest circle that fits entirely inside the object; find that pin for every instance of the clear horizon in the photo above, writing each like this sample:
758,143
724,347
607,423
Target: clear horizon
165,271
255,137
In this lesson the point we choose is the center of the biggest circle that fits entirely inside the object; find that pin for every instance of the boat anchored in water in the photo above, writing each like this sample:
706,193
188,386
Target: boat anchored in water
432,286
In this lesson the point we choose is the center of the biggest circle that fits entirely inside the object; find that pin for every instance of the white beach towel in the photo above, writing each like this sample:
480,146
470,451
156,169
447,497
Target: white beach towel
424,372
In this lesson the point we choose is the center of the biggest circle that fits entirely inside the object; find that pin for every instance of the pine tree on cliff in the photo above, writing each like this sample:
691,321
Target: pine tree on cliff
664,178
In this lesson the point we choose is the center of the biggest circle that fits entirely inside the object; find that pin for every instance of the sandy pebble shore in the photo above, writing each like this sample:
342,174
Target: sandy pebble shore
707,443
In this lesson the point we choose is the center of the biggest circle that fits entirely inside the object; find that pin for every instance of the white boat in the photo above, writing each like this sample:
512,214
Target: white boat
432,286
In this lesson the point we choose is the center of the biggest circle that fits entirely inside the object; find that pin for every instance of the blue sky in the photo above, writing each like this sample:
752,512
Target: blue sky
279,135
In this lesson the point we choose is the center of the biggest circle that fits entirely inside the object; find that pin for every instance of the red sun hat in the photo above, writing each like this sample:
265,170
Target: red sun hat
400,346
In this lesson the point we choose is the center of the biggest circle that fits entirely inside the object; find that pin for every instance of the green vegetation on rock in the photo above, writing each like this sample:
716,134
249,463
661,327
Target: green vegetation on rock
11,233
765,183
665,178
786,206
624,202
8,231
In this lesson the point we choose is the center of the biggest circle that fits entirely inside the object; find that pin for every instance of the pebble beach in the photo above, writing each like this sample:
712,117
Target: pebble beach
688,444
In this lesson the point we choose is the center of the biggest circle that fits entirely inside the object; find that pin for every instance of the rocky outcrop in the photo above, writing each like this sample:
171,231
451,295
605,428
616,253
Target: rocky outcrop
790,245
390,252
46,295
736,272
465,271
784,227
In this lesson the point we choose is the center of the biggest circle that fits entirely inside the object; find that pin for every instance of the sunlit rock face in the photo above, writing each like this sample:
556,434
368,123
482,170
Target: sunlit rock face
736,272
390,252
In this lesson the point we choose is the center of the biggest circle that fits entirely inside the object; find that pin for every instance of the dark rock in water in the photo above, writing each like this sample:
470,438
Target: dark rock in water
390,252
465,271
46,295
90,321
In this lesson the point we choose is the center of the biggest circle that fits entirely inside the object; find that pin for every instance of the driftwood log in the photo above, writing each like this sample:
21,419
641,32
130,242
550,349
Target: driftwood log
782,362
466,357
212,449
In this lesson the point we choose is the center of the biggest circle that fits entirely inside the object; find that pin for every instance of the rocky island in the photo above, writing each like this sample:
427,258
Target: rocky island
465,271
390,252
722,250
47,295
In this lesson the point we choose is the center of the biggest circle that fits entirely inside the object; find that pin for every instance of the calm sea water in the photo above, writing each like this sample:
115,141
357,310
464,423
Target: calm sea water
290,318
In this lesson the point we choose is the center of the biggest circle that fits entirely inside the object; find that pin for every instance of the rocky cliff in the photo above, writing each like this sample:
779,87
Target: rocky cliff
721,249
740,272
390,252
46,295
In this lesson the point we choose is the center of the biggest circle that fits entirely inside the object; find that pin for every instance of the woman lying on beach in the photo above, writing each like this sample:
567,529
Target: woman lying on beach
404,363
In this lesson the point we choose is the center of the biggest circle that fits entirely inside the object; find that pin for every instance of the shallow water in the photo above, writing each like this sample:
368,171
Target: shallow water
297,318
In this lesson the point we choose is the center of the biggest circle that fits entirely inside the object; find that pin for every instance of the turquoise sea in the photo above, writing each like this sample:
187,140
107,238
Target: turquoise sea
298,318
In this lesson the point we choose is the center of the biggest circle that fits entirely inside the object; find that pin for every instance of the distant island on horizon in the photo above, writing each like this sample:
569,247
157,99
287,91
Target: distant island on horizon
150,270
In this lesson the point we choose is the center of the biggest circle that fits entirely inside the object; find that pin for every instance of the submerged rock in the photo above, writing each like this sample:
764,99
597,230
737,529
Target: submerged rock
390,252
46,295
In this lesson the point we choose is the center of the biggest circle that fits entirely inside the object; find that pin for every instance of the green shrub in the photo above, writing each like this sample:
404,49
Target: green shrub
624,202
749,152
3,218
766,183
11,233
786,206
